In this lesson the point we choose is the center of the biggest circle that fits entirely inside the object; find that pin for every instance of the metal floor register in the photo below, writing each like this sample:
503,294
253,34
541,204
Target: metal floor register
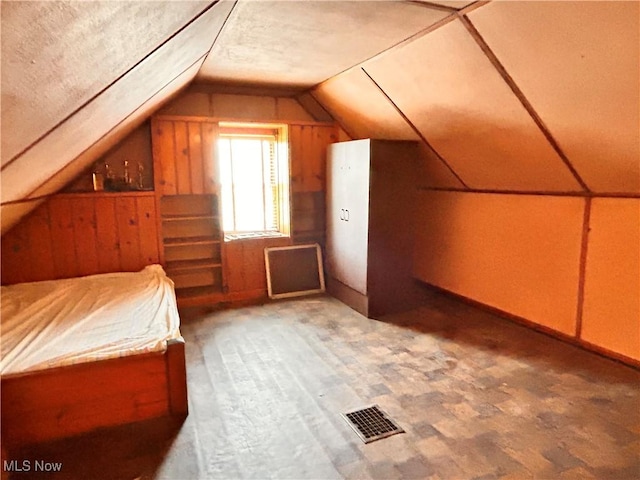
371,423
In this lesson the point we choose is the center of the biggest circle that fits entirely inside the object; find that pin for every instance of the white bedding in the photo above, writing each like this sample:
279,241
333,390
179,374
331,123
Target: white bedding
64,322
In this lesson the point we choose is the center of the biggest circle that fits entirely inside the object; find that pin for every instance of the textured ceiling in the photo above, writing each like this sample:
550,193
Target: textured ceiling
582,76
461,104
109,108
77,139
513,96
302,43
504,96
57,55
354,99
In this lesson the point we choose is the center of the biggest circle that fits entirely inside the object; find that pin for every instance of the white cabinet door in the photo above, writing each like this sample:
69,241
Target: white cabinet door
335,202
348,213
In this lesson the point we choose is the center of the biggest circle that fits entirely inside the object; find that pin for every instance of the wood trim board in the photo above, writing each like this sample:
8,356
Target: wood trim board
61,402
283,272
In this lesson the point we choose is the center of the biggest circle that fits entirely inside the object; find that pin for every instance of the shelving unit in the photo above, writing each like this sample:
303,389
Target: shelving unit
192,242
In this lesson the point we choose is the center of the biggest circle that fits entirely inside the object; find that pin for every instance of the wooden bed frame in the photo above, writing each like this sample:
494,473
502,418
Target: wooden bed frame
65,401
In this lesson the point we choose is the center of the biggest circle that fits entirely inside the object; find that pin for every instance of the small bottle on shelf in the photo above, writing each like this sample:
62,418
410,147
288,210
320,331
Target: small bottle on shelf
140,182
126,175
109,181
98,179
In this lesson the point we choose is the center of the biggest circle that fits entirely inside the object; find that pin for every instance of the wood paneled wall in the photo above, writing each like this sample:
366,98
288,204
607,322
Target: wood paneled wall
184,163
308,156
244,267
81,234
72,235
308,150
183,153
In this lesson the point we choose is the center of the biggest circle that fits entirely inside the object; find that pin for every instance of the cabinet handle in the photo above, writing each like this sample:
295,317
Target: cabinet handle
346,216
342,214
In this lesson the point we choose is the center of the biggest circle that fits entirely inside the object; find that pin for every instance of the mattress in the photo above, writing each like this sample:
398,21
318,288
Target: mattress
65,322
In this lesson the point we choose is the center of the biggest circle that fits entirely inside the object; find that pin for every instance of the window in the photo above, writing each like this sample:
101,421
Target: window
254,176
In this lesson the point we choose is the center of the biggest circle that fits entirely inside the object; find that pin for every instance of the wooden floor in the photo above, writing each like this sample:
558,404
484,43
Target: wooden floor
478,397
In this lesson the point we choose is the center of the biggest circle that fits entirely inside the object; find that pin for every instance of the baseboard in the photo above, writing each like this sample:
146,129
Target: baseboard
347,295
618,357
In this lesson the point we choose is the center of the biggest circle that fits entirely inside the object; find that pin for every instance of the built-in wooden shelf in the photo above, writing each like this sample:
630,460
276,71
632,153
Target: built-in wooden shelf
106,193
192,243
191,265
195,296
173,218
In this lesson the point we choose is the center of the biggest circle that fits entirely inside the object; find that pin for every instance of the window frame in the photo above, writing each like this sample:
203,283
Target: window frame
279,132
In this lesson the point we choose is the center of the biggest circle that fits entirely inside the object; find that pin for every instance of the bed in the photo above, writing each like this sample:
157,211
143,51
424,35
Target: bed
83,353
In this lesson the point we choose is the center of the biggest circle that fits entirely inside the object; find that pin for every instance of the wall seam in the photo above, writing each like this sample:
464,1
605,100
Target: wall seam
224,24
186,127
502,71
584,248
414,128
431,28
544,330
310,93
581,194
419,34
337,119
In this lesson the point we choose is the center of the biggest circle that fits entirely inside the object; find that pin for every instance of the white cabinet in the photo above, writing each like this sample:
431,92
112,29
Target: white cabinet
370,190
348,214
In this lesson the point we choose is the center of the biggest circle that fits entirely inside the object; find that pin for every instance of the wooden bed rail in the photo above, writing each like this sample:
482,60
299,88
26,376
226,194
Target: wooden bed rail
66,401
177,378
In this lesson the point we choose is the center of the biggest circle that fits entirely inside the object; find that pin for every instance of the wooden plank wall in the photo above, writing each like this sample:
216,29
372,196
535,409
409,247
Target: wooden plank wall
72,235
308,150
183,150
81,234
244,268
183,155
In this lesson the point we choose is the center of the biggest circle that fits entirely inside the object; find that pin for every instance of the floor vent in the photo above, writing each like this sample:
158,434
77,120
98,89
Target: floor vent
371,423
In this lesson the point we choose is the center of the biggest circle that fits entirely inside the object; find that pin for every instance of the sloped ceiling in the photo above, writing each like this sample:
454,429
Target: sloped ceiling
504,96
60,55
79,95
514,96
582,76
302,43
461,104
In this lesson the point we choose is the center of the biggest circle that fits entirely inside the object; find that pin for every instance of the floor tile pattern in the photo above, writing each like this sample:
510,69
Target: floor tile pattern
478,397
